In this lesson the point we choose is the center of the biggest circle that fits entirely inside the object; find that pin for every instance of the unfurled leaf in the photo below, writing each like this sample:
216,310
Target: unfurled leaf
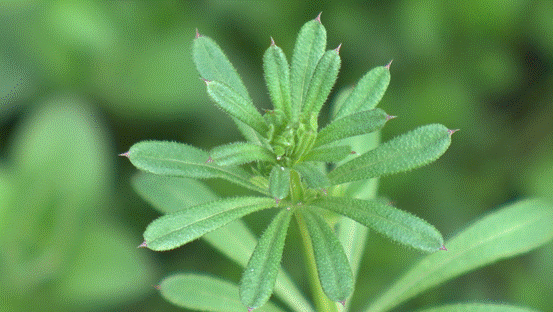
321,83
181,160
367,93
236,242
513,230
352,125
212,64
240,153
328,154
397,224
279,182
408,151
310,46
173,230
171,194
313,175
236,105
332,264
277,76
477,307
258,280
205,293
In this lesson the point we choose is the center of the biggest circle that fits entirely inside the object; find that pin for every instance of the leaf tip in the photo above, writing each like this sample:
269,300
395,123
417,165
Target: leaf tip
343,302
277,200
272,42
388,65
250,309
338,48
205,80
143,245
209,160
125,154
157,287
443,248
318,18
452,131
388,117
353,152
197,34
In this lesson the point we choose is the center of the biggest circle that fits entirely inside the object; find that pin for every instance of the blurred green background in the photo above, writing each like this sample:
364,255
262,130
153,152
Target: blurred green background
81,81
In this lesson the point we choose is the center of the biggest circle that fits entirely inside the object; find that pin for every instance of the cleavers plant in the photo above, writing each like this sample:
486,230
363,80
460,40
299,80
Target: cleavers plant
314,176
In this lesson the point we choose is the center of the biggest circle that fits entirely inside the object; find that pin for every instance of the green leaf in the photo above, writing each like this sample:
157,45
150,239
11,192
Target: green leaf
236,105
339,99
352,125
176,229
205,293
321,83
277,76
258,280
236,241
240,153
408,151
477,307
397,224
313,175
181,160
328,154
171,194
513,230
279,182
310,46
332,264
367,93
212,64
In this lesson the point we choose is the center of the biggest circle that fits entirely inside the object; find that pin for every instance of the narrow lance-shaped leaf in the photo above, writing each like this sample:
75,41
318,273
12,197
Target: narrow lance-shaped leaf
212,64
258,280
310,46
513,230
408,151
279,182
367,93
332,264
321,83
205,293
398,225
277,77
171,194
313,175
236,242
352,125
328,154
240,153
173,230
236,105
181,160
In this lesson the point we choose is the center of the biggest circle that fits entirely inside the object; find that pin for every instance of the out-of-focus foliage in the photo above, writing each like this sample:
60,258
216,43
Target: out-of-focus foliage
82,81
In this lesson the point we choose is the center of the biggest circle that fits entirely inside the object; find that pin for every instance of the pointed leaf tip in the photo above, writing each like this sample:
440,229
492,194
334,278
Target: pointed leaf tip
143,245
452,131
388,65
209,160
338,48
205,80
388,117
343,302
443,248
272,41
318,18
125,154
157,287
197,34
250,309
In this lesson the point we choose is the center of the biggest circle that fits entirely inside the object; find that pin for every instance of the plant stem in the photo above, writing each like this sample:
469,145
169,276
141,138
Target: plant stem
322,303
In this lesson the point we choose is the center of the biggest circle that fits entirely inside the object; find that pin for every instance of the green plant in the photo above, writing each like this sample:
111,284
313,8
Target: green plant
314,177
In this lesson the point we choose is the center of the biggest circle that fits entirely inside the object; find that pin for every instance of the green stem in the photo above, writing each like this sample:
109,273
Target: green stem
322,303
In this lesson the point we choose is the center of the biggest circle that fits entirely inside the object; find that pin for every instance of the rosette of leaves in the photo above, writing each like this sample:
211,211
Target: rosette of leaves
302,171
